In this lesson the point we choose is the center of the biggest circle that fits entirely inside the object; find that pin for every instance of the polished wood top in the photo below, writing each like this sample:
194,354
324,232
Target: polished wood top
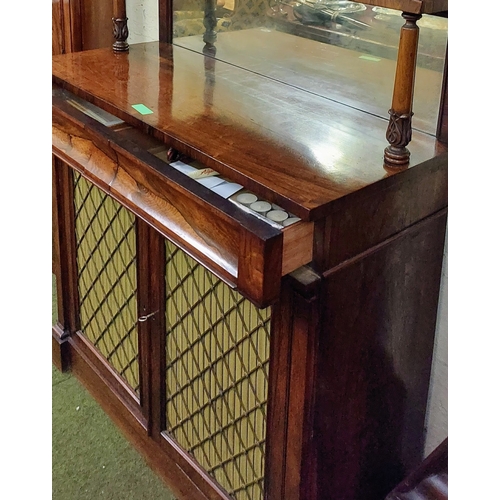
295,148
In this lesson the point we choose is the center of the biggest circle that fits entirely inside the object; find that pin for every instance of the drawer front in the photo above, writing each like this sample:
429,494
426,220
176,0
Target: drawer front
245,252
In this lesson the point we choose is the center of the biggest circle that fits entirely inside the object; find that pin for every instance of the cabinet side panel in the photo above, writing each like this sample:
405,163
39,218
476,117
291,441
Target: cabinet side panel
371,215
374,362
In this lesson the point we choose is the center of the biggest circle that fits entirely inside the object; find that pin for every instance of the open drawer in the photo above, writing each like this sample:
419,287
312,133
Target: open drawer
241,248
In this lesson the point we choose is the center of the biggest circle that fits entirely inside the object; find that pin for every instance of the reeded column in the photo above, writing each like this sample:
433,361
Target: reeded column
396,155
120,28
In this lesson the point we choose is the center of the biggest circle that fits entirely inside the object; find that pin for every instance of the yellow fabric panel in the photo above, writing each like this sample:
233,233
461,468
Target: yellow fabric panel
217,374
217,343
107,277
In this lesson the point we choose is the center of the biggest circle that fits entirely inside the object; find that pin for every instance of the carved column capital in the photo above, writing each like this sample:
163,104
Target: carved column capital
120,33
398,135
210,22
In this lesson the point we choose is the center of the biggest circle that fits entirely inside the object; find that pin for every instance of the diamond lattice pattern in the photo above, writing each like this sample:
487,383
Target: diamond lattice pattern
217,375
106,250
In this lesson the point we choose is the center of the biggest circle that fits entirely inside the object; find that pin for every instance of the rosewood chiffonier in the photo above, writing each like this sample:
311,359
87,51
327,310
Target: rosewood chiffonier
248,246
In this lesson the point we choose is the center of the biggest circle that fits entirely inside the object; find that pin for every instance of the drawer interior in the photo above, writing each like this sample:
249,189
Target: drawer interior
243,246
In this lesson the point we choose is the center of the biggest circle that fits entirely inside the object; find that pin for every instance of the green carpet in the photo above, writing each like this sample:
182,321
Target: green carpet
90,457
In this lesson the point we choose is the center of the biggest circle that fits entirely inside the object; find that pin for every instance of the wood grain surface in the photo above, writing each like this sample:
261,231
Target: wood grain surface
97,25
241,249
57,28
296,149
374,362
367,218
81,25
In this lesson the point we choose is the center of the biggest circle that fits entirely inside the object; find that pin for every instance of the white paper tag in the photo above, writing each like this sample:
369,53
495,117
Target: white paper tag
183,167
226,189
210,182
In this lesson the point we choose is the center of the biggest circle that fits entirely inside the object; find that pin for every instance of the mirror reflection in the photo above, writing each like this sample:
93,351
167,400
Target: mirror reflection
341,50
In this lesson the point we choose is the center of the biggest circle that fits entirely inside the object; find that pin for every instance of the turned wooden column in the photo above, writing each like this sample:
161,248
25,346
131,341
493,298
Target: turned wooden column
120,28
210,22
396,155
208,89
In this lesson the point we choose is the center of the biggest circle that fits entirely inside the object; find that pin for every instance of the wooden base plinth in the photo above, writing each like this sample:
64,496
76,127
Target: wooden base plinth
396,158
61,357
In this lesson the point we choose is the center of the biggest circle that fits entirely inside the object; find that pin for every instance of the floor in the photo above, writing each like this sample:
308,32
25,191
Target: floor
90,457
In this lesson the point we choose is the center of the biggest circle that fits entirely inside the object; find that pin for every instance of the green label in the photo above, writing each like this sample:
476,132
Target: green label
370,58
144,110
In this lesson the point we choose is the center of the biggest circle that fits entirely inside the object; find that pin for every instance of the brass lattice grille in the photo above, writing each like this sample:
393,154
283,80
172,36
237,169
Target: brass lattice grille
105,248
217,374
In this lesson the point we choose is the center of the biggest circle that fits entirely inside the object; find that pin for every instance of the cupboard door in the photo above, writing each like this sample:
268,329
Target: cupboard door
217,369
107,278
